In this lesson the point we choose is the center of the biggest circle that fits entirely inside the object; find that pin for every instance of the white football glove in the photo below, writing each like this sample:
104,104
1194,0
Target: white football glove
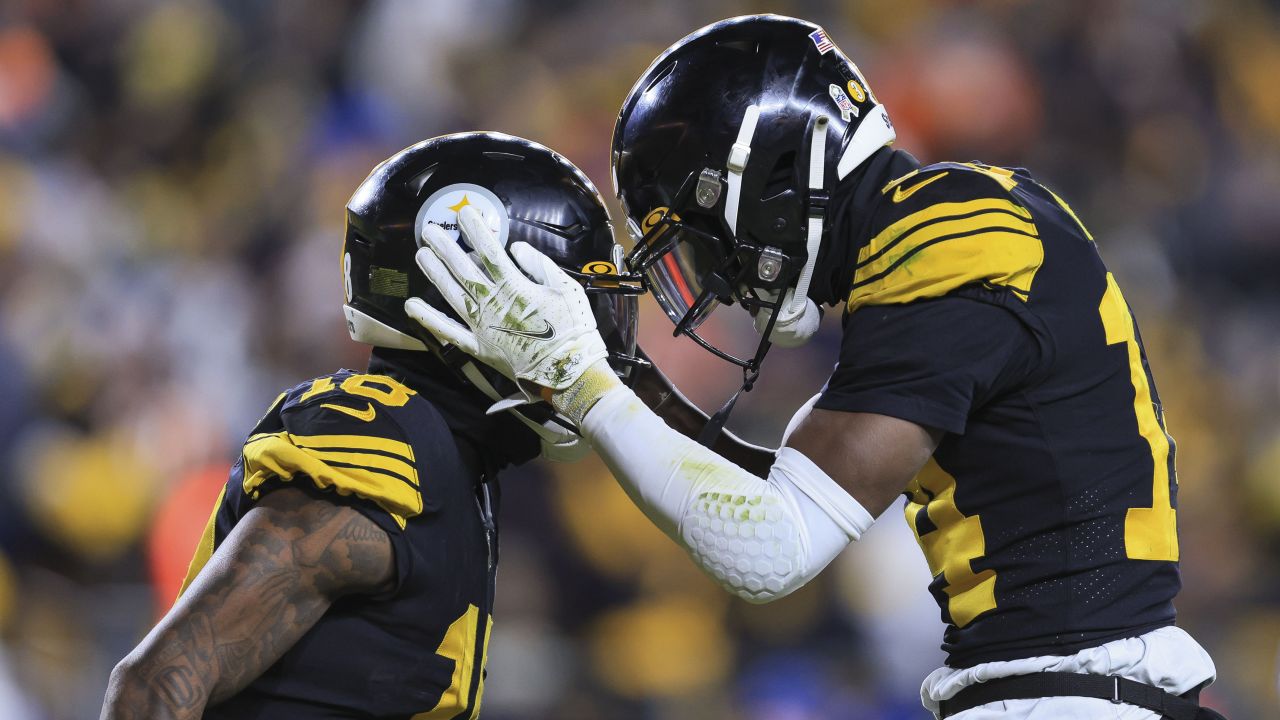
541,333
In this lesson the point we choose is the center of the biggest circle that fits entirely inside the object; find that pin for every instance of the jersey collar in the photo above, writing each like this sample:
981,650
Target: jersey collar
852,200
461,405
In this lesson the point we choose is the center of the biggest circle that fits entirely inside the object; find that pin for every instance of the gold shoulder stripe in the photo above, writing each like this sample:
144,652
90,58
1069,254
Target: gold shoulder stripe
994,257
927,234
891,234
284,456
945,246
355,442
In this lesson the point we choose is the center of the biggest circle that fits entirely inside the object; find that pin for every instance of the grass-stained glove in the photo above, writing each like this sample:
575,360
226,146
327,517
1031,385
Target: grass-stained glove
540,332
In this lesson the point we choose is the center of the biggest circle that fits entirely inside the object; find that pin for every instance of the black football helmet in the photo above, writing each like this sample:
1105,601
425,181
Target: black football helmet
723,155
529,192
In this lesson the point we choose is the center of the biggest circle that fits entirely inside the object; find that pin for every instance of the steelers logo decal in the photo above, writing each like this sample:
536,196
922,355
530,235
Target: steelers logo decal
443,206
600,267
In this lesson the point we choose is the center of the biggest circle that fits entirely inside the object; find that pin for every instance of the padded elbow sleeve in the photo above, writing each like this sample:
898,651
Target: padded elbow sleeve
760,538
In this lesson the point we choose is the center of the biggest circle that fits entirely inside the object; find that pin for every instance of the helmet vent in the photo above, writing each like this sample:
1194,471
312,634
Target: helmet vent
565,231
781,178
416,183
662,75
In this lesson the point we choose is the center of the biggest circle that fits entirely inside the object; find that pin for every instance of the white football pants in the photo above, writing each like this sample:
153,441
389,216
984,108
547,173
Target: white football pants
1167,658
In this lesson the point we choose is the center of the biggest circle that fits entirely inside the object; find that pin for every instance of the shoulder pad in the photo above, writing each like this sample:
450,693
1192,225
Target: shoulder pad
944,226
337,431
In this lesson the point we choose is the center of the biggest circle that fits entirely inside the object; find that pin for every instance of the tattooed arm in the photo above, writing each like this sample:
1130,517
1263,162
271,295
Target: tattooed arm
273,577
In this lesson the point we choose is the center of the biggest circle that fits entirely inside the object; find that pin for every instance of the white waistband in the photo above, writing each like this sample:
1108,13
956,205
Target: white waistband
1167,658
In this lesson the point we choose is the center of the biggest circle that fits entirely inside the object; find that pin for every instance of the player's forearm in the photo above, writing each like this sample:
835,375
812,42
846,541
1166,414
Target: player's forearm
665,399
211,645
141,690
761,538
200,654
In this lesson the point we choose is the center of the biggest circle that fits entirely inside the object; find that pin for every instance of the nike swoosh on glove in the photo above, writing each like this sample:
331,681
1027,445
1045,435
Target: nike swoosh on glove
539,331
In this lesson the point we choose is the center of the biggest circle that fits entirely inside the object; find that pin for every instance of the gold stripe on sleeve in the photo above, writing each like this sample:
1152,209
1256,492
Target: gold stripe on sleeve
282,455
354,442
369,460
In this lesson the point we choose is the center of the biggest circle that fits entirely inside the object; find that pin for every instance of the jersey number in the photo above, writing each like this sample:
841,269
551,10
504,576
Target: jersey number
1150,533
951,541
379,388
459,645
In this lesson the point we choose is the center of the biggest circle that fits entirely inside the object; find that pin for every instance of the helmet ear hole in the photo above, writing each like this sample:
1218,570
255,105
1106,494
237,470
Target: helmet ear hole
781,178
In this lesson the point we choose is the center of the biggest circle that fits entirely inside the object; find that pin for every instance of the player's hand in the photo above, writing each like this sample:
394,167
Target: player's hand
540,332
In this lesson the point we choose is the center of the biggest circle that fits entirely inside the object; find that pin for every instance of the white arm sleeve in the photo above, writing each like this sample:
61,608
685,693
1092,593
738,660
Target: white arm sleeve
760,538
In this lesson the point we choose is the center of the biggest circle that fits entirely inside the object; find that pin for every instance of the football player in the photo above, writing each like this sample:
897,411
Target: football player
347,569
990,370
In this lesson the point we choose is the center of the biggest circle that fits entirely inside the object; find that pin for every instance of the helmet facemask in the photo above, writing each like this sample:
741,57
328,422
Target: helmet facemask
691,265
694,258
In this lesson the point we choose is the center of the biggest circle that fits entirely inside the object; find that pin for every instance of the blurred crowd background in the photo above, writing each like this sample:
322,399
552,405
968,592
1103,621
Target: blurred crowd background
172,183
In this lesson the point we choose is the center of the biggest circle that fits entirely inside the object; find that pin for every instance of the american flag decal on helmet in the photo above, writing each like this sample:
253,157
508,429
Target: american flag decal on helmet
820,39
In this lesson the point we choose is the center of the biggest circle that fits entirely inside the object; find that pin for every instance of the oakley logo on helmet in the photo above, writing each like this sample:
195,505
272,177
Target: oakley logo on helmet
654,217
442,208
600,267
604,274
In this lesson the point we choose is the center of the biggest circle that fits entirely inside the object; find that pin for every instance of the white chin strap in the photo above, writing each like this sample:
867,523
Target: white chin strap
738,157
797,320
558,444
799,317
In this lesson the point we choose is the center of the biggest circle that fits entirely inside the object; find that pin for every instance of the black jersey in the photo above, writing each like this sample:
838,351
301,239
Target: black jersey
418,650
980,307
